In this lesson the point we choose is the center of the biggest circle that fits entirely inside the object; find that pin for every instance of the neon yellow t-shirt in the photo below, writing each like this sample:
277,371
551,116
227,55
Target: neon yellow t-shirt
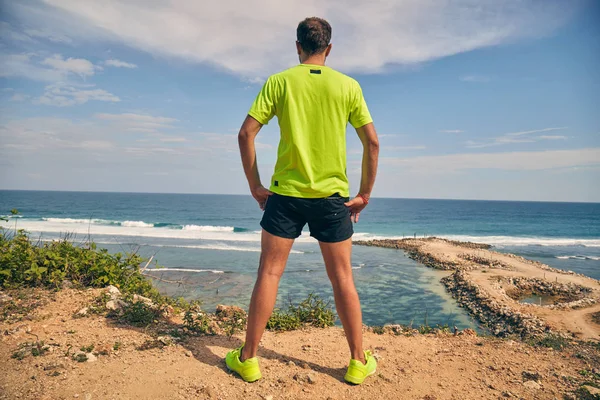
313,104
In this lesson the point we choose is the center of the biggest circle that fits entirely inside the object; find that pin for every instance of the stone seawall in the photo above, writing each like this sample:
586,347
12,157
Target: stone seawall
500,319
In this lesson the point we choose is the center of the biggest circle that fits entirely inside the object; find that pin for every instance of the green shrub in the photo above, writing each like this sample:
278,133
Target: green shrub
139,314
553,341
87,349
234,323
24,263
312,311
283,321
80,357
379,330
197,321
36,349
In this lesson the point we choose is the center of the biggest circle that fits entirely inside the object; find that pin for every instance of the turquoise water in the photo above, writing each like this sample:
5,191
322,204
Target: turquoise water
212,242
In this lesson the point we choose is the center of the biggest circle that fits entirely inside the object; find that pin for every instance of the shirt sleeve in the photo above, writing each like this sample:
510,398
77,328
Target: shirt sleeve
359,112
263,108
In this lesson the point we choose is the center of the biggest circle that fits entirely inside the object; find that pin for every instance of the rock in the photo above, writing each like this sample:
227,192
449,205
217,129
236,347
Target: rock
137,298
103,350
166,340
88,396
533,385
531,376
268,397
83,312
53,366
115,304
113,291
306,378
189,354
4,298
168,311
223,311
91,357
291,363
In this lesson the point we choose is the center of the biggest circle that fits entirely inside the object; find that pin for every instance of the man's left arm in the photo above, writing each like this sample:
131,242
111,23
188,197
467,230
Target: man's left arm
246,137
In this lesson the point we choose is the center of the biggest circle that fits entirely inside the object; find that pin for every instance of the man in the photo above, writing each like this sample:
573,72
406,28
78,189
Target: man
313,104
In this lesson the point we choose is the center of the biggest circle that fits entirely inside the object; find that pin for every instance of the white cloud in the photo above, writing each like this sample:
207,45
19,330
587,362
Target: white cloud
18,97
119,64
61,95
536,131
514,161
78,66
451,131
367,36
22,66
516,137
476,78
137,122
42,134
552,137
50,69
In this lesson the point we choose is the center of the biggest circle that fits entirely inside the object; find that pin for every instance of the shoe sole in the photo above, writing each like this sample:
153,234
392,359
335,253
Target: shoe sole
361,381
251,379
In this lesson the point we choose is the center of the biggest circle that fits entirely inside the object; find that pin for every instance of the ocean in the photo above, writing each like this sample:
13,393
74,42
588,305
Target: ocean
211,243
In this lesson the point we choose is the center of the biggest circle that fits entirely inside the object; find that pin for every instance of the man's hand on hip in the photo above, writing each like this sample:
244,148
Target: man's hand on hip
261,194
356,205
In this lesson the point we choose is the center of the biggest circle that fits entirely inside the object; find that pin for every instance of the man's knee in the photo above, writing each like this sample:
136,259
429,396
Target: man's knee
270,267
341,280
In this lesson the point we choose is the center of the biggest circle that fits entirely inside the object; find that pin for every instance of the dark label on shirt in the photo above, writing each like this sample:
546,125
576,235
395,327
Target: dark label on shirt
315,71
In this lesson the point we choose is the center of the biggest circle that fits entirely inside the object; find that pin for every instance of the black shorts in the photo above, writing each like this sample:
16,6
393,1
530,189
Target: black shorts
328,218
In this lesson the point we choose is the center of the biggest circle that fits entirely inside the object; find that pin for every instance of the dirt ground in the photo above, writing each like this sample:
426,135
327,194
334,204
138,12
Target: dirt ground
305,364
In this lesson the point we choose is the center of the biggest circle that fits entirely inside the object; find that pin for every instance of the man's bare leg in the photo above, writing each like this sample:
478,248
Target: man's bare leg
337,257
273,257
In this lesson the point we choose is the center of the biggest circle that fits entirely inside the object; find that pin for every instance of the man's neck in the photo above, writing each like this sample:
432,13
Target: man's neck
314,60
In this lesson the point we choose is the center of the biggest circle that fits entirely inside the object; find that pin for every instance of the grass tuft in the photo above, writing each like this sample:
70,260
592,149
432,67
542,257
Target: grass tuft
312,311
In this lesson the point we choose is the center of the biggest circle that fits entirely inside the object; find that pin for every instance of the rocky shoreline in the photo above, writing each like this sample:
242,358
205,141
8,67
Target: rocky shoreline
501,320
491,285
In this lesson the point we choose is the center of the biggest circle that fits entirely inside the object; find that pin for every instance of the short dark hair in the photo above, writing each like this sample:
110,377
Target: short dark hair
314,35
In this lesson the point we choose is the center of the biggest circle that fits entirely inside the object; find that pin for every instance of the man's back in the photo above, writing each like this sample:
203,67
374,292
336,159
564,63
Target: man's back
313,104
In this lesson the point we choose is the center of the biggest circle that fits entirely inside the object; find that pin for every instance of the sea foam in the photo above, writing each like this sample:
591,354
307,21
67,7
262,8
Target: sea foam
578,258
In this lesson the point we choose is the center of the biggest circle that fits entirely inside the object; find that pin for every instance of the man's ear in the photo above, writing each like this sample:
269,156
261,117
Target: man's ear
298,47
328,50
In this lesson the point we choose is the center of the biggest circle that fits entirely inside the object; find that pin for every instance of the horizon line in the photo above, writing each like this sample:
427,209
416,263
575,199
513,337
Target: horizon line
249,195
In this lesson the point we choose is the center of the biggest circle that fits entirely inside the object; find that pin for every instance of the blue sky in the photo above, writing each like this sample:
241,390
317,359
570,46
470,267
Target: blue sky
472,99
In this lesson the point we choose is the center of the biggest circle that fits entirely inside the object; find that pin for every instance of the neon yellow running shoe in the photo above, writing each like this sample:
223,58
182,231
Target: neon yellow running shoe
248,370
358,372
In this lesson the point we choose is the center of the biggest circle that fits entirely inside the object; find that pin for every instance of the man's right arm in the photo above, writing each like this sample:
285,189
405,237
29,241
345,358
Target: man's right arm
248,132
370,142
